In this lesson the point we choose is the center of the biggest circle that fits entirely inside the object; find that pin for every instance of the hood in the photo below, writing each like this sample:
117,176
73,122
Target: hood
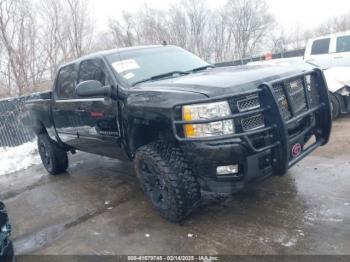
225,80
337,78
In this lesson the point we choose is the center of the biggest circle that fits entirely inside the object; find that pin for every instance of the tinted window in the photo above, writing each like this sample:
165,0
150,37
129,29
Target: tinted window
93,70
343,43
66,82
320,46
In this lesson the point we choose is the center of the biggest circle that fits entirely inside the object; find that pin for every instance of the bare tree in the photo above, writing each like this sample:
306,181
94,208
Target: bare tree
124,31
18,34
197,23
222,36
54,38
339,23
30,52
238,28
178,26
68,31
151,27
79,27
38,36
342,23
249,21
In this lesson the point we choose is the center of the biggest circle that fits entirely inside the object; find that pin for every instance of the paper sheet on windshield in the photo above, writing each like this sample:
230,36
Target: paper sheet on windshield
129,76
125,65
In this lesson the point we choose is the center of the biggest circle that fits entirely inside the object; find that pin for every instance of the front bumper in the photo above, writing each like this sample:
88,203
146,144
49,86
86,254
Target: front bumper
263,152
205,157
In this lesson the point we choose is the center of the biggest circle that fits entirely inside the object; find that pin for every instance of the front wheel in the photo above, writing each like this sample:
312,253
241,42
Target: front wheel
335,106
53,156
167,180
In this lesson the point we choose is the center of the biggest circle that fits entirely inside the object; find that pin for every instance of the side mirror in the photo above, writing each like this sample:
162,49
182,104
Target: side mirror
93,88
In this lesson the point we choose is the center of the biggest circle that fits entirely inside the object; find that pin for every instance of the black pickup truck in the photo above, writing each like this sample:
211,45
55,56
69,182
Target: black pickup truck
186,124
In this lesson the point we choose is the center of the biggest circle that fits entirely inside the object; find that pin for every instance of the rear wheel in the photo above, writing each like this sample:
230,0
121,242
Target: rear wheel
167,180
53,156
335,105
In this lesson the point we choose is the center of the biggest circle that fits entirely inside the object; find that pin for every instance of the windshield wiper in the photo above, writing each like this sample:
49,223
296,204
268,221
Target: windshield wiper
201,68
162,76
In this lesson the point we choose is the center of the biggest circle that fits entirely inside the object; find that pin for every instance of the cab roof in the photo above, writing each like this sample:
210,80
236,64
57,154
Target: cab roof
112,51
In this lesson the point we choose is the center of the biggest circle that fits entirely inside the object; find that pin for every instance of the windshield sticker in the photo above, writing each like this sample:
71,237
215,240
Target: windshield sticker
125,65
129,76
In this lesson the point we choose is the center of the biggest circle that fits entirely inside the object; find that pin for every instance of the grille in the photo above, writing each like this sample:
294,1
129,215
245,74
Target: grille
312,88
248,103
253,122
282,100
296,92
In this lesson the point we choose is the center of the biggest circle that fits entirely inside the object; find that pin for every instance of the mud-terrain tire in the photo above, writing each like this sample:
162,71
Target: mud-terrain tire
335,106
167,180
53,156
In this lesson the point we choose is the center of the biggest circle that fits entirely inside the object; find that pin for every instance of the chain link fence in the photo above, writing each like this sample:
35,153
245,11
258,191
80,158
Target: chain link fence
14,122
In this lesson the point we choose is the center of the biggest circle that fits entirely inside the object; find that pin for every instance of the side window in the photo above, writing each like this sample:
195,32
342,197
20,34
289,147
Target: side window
93,70
320,46
65,85
343,43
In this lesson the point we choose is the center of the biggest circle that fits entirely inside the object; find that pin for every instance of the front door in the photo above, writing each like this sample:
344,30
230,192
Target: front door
341,57
98,130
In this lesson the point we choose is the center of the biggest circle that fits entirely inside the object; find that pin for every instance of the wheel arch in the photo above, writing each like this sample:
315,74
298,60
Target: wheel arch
39,128
141,134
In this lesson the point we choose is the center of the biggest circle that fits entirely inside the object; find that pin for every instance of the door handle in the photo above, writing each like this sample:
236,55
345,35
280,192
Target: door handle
338,57
79,110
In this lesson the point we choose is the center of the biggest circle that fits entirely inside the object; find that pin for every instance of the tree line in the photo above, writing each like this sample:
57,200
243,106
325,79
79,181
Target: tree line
38,36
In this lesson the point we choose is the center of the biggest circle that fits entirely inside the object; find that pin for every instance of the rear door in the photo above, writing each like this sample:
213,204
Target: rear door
341,57
319,52
98,130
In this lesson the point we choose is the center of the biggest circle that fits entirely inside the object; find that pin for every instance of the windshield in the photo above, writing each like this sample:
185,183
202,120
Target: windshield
143,64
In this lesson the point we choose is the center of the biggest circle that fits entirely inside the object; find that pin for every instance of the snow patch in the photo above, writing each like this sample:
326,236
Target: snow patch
17,158
286,239
331,219
300,232
290,243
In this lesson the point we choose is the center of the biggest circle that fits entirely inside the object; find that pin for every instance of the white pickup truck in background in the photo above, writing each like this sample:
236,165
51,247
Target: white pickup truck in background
338,81
329,51
332,54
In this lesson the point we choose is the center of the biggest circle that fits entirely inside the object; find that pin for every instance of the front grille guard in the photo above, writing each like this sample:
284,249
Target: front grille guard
274,123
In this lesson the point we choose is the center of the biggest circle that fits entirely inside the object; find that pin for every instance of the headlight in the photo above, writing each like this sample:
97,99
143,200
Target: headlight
207,111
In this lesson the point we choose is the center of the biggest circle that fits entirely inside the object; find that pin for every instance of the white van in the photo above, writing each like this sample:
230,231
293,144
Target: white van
329,51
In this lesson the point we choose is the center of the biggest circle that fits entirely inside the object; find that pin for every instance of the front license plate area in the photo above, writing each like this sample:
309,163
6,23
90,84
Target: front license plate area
296,150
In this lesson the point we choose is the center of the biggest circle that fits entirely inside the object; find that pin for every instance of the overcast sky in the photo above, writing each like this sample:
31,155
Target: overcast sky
289,13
